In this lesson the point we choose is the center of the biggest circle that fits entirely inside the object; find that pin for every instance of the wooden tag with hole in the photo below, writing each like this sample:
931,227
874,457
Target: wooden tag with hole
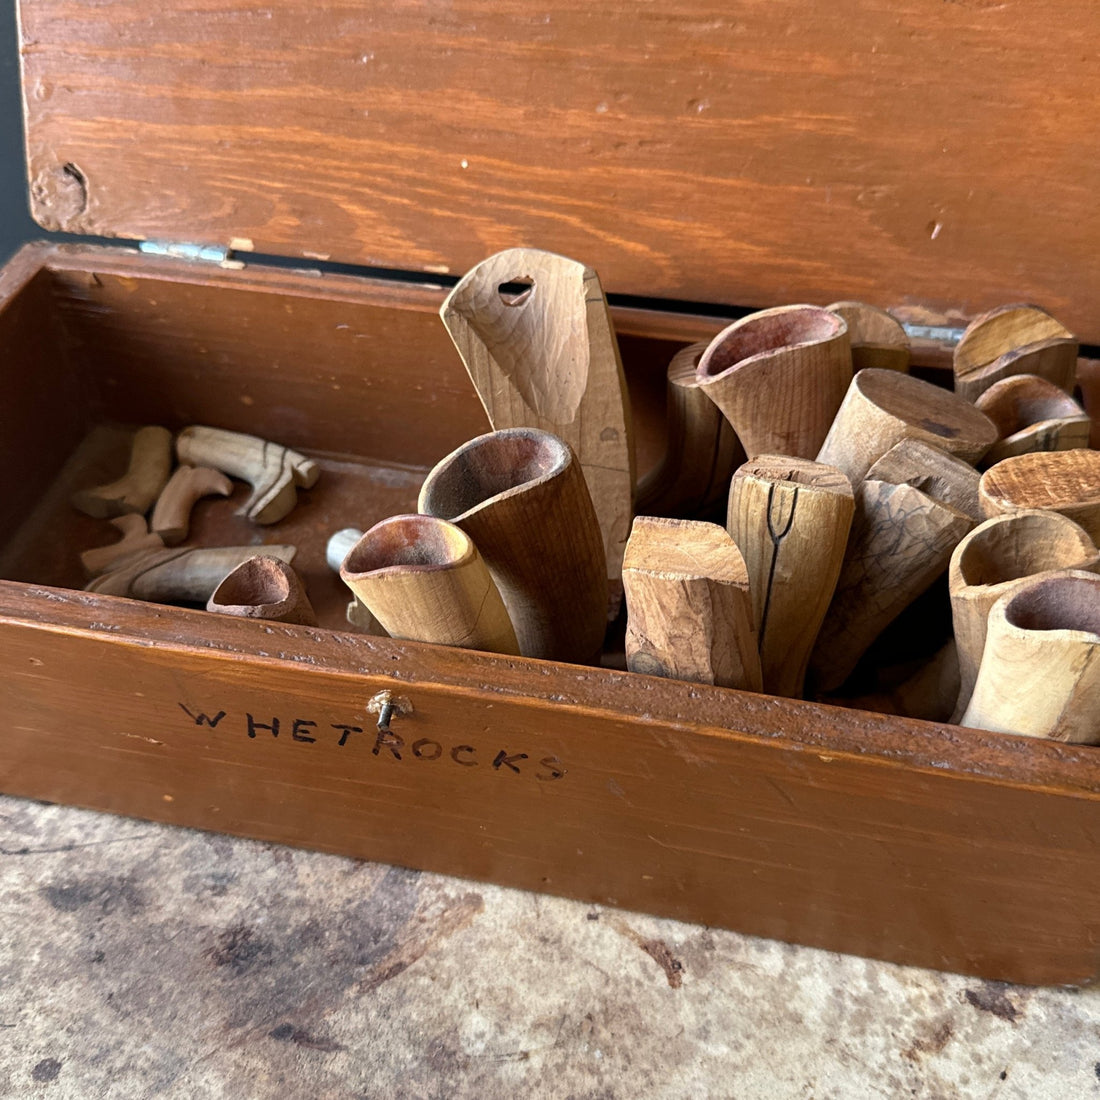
546,357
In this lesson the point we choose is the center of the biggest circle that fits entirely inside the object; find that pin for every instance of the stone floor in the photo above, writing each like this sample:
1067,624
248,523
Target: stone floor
145,961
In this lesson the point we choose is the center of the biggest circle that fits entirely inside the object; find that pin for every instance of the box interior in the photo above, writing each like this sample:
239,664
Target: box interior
358,374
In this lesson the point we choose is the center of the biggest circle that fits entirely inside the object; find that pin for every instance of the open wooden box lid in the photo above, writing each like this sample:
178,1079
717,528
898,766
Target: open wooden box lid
937,156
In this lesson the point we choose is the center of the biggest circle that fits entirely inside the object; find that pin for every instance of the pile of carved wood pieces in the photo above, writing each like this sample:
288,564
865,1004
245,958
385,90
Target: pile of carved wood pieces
852,490
518,541
151,562
865,486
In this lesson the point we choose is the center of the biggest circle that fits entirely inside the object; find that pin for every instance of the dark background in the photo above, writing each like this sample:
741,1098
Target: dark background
15,222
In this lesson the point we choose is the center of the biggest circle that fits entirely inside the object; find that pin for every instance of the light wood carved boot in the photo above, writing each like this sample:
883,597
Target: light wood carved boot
149,468
275,472
187,485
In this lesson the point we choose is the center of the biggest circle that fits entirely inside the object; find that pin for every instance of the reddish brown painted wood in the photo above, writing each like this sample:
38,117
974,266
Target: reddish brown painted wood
746,152
47,392
259,329
925,844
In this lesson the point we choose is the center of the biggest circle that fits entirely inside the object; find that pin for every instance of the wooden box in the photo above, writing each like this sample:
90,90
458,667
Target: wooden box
934,159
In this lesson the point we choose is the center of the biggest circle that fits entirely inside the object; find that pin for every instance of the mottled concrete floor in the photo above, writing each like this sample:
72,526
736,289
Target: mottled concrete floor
144,961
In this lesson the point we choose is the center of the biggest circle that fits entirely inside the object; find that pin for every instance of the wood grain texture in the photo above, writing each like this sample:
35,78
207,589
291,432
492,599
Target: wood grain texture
701,452
1061,481
837,828
423,579
1040,675
779,376
931,469
901,541
832,167
883,407
689,613
998,555
1032,414
519,493
790,518
877,337
547,358
1011,340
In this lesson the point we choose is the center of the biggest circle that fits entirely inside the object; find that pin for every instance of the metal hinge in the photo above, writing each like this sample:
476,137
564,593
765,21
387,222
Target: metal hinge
196,253
941,334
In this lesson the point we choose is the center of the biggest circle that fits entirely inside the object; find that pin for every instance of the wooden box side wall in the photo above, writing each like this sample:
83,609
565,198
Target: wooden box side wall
43,412
336,364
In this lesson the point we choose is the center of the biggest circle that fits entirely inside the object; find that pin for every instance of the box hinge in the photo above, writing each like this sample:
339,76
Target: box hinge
196,253
940,334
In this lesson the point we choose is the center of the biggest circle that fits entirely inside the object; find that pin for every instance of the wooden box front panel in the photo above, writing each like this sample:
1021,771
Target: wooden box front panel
901,840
